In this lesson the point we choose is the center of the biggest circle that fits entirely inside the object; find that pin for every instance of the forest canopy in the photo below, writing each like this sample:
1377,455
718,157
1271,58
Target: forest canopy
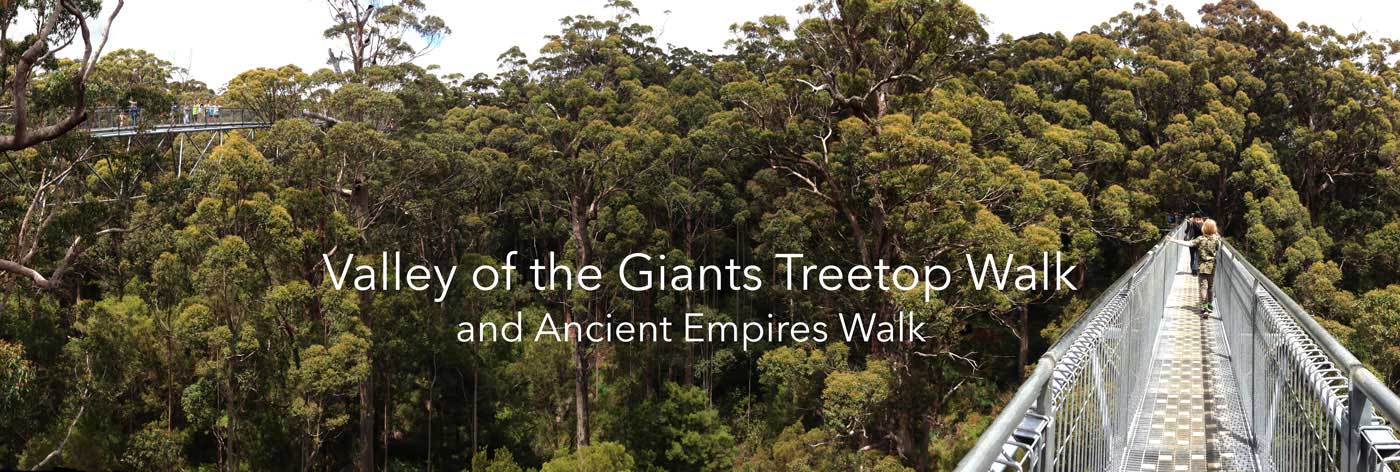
165,302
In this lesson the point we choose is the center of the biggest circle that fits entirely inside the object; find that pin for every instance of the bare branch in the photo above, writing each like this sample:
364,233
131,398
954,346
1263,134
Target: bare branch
18,83
58,451
53,279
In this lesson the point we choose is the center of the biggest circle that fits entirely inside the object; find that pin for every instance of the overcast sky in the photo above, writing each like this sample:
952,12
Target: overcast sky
216,40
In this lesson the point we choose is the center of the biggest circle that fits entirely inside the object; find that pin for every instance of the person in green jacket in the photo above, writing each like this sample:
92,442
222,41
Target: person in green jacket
1206,245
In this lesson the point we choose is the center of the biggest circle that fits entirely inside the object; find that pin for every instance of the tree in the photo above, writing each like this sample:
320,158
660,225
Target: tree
64,21
127,75
602,456
845,44
274,94
193,327
379,33
1280,235
1378,311
51,182
583,157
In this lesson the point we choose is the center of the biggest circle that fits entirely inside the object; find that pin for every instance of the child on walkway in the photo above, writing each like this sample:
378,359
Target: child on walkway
1206,245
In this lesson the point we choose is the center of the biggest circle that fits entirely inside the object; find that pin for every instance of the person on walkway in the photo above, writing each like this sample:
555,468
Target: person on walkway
1193,231
1206,245
134,110
194,110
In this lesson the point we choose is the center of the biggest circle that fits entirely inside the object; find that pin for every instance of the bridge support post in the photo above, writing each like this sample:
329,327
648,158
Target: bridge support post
1357,457
180,158
1254,423
1043,403
1106,418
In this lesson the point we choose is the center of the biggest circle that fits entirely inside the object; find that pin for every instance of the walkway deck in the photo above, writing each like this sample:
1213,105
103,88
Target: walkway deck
124,131
1144,383
1191,418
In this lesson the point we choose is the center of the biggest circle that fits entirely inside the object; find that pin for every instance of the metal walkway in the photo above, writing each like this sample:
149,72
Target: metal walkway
119,132
113,122
1140,382
1190,418
122,122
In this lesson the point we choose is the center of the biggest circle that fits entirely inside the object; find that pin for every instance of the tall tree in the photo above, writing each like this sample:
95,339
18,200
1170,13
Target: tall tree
381,33
274,94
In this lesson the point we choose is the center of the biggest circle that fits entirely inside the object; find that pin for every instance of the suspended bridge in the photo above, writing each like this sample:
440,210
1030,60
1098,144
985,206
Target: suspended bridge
117,122
1143,382
126,122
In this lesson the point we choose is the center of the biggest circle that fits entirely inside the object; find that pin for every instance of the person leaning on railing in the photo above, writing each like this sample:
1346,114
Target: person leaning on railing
1206,245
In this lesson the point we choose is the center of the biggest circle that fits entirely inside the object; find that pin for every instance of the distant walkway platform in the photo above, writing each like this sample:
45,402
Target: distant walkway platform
124,131
114,122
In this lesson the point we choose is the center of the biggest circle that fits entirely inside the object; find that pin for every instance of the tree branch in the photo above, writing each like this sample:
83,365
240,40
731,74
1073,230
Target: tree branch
52,280
18,84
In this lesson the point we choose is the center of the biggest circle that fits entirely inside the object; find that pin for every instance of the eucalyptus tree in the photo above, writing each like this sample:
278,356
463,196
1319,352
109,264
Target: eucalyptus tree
274,94
58,24
381,33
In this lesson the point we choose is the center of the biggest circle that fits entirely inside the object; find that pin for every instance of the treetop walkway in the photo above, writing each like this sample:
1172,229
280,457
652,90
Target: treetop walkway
1142,382
115,122
122,122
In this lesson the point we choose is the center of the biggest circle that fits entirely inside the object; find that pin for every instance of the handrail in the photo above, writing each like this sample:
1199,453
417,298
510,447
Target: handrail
108,118
989,445
1037,387
1312,405
1324,339
1387,402
1343,388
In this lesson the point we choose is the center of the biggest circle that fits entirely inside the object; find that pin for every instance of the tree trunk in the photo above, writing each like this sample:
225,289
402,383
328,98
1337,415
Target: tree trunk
688,369
581,382
365,461
580,215
1024,353
231,453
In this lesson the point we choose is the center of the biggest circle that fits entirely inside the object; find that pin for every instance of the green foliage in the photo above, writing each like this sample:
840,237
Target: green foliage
16,373
797,374
1377,330
501,461
813,450
679,431
156,448
850,399
131,75
601,456
275,93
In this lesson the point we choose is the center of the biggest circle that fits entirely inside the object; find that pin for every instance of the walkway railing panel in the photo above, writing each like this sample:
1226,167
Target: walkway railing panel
130,118
1075,410
110,118
1312,404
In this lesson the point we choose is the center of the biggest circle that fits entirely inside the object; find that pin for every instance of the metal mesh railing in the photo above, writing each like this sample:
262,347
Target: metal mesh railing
112,118
1310,401
1075,411
1312,406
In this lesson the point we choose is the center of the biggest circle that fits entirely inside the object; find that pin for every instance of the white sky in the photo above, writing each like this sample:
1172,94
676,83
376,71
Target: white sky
216,40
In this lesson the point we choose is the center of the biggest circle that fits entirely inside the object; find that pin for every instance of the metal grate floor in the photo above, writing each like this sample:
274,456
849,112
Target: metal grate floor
1191,418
